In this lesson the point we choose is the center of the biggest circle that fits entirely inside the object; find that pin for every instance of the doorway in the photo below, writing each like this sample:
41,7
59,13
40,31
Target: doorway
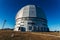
30,28
22,29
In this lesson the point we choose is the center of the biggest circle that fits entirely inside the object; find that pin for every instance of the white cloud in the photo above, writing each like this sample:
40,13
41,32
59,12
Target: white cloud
55,27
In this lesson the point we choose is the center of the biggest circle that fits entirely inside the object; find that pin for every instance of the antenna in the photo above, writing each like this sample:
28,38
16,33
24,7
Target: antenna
3,24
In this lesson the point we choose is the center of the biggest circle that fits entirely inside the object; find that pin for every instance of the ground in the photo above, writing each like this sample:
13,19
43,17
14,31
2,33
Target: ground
13,35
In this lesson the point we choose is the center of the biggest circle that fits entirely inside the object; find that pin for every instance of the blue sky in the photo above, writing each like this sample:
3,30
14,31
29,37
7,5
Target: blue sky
9,9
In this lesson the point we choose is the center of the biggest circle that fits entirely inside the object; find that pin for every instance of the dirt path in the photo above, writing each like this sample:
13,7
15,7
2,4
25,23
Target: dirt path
46,35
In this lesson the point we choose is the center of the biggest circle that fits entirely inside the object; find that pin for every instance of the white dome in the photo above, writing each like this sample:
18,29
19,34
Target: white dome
30,11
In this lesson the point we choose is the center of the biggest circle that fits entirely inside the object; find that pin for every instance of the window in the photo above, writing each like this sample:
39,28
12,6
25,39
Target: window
22,22
31,23
18,23
22,25
30,27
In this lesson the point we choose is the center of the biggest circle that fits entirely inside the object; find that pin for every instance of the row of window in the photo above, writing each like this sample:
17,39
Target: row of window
32,18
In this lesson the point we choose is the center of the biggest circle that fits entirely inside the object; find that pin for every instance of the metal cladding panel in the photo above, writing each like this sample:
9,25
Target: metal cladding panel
32,11
40,13
26,11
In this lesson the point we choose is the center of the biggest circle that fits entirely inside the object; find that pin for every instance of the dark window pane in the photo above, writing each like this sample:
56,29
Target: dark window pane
30,27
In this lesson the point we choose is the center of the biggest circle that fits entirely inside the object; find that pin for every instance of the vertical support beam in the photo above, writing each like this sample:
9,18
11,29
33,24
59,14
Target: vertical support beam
3,24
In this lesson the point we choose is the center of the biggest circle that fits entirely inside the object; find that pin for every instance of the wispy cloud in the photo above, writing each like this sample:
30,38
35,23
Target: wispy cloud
55,27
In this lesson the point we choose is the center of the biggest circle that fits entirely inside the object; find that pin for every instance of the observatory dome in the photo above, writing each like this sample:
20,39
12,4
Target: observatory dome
31,18
31,11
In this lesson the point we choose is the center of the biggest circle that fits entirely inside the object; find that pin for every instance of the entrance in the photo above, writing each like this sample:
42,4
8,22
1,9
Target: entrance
22,29
30,28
